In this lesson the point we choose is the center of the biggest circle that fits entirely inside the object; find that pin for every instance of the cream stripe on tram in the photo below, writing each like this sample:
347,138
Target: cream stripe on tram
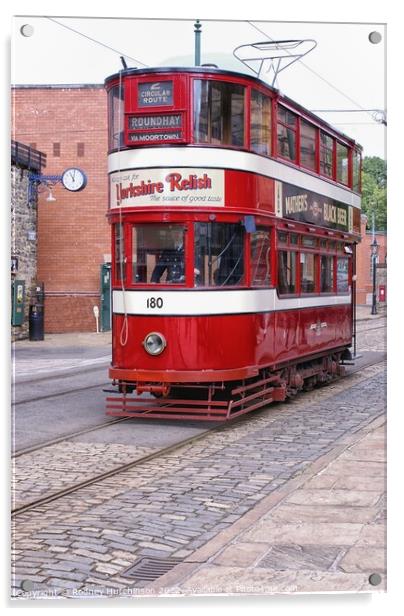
197,302
219,158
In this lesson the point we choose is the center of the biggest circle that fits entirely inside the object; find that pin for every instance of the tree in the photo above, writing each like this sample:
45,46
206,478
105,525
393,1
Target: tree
374,191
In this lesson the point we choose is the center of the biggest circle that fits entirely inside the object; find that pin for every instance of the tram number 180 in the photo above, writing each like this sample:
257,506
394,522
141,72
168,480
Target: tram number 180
154,302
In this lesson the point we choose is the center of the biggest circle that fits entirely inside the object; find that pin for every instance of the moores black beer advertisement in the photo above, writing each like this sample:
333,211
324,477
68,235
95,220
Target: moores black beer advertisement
306,206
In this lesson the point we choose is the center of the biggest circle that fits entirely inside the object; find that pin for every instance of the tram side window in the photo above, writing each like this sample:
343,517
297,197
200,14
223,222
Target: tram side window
326,154
286,272
260,127
326,274
158,255
356,170
116,117
260,258
218,113
219,254
342,163
307,145
119,251
307,272
287,126
342,275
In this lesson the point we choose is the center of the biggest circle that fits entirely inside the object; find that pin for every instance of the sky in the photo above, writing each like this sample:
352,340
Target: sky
345,71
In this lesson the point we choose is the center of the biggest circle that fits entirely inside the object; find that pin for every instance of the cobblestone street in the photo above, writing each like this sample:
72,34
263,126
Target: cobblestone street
173,505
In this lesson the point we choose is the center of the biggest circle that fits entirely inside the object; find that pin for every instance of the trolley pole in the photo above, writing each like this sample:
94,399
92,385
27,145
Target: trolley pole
198,27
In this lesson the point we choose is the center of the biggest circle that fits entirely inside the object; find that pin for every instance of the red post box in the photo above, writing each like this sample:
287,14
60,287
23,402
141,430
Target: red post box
382,293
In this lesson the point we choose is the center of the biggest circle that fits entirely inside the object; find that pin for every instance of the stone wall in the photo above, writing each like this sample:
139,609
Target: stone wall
23,241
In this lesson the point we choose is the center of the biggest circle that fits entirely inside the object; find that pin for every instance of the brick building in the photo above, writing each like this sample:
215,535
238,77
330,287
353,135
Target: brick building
69,124
364,283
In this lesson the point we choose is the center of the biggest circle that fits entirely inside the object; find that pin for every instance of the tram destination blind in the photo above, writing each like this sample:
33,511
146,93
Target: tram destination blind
155,94
144,122
155,127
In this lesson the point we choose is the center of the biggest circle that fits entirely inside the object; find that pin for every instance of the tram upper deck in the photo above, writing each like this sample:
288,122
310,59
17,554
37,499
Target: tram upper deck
234,121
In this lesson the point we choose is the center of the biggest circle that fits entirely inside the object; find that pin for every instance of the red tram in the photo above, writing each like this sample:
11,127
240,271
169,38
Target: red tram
235,213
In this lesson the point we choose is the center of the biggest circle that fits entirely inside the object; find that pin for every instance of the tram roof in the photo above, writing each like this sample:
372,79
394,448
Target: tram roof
210,69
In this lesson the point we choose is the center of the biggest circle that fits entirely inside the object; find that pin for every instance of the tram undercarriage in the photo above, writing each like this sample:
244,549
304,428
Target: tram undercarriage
223,401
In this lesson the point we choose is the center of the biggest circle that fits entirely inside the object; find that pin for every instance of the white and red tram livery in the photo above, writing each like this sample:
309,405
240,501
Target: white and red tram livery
235,213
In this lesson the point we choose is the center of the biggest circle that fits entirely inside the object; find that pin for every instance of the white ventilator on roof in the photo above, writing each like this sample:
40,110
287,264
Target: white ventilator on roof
269,58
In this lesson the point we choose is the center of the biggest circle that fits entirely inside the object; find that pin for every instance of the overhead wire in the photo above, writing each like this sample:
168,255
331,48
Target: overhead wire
331,85
121,53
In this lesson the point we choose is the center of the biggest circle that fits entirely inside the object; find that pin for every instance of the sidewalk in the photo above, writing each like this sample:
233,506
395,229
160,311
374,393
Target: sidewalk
75,339
324,531
363,313
60,353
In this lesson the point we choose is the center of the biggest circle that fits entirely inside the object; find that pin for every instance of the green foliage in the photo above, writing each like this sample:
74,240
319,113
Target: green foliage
374,191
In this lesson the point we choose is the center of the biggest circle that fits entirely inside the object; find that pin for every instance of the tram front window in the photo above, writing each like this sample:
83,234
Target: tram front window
219,254
218,113
158,255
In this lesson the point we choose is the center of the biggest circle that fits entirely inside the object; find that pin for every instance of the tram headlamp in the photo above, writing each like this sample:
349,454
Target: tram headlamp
154,343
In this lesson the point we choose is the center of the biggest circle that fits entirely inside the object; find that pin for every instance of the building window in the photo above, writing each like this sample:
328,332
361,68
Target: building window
218,113
287,126
219,254
286,272
308,135
56,149
326,155
80,149
260,263
307,272
260,127
326,274
342,163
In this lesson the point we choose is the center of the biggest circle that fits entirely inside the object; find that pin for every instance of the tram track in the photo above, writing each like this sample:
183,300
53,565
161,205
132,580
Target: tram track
50,497
57,394
67,437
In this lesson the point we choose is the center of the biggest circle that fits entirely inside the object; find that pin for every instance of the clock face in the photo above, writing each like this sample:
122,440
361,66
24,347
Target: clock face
74,179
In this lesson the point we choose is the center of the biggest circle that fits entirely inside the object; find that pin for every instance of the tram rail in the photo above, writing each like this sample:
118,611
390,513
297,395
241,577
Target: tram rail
50,497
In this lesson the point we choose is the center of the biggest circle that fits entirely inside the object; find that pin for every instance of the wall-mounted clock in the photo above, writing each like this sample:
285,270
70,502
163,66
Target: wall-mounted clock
74,179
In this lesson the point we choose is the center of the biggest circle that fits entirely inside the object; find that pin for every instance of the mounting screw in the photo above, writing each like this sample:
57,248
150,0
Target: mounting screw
27,30
27,585
375,579
375,37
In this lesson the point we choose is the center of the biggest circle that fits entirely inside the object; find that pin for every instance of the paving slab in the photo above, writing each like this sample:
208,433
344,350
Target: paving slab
364,558
288,546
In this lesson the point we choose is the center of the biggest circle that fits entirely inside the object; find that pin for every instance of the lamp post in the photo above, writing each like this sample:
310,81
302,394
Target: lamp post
374,250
